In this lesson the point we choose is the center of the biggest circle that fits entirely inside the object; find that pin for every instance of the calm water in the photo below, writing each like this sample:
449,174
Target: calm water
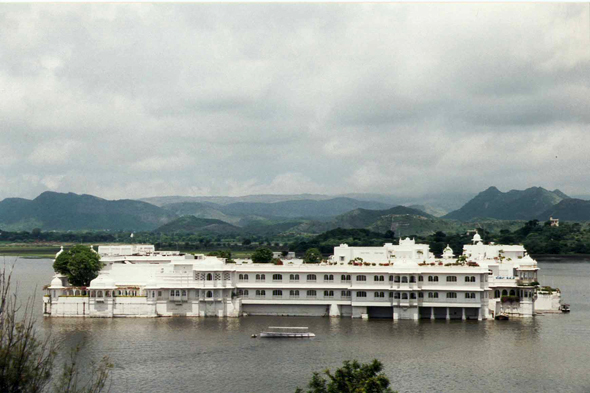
544,354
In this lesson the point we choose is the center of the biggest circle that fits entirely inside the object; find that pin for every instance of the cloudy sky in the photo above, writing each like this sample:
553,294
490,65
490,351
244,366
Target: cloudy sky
138,100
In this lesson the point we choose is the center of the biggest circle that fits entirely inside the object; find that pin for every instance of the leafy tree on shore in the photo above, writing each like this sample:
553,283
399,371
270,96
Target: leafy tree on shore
262,255
79,264
352,377
313,255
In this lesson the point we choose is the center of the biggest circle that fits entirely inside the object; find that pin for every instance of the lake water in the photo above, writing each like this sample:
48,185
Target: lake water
544,354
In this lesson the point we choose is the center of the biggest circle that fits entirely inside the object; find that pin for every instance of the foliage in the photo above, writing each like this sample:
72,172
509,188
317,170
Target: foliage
79,264
262,255
313,255
352,377
222,254
27,361
510,299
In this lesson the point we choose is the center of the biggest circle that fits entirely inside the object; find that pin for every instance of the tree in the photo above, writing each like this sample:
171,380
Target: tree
312,255
79,264
262,255
352,377
27,361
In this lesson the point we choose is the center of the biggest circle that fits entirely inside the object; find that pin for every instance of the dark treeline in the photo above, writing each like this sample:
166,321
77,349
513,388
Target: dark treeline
538,238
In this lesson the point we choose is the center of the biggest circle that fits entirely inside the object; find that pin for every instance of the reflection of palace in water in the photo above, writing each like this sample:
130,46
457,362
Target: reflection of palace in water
403,281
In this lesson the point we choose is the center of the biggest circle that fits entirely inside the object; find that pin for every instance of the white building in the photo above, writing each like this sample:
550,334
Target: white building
403,281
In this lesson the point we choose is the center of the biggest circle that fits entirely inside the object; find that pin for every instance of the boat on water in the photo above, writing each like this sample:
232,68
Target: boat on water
286,332
501,317
564,308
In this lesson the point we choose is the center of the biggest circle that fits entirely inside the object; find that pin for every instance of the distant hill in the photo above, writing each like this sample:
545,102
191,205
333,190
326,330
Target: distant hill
511,205
226,200
58,211
200,210
297,209
191,224
432,210
568,210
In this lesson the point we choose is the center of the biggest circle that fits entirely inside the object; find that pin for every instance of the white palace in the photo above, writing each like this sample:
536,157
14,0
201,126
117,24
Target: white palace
404,281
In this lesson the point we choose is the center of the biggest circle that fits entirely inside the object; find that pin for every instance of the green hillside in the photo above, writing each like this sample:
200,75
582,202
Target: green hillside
191,224
511,205
57,211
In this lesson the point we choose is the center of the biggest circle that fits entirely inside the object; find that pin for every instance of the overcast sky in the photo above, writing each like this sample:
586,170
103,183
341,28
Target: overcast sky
138,100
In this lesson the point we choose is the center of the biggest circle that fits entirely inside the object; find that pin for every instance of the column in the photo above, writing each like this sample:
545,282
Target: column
432,313
463,313
448,314
479,317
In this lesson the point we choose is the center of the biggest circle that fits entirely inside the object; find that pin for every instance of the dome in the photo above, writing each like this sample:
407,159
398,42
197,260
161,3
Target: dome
56,282
476,238
102,281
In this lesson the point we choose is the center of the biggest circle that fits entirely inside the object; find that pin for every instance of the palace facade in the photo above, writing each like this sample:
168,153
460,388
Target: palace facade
402,281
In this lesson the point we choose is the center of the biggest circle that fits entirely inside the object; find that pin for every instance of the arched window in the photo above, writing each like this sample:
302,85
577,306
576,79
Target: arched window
396,295
260,292
311,277
420,295
451,295
345,293
294,277
177,292
108,293
260,277
277,277
243,277
397,279
404,295
345,277
412,295
420,278
328,293
277,292
390,278
361,294
504,292
404,279
328,277
512,293
496,293
467,279
311,293
390,295
294,293
451,278
430,279
99,294
209,294
209,277
412,278
472,278
183,292
379,294
172,293
435,278
379,278
436,295
361,278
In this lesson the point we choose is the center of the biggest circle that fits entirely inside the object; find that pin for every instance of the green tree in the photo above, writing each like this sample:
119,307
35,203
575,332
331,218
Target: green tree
352,377
262,255
312,255
79,264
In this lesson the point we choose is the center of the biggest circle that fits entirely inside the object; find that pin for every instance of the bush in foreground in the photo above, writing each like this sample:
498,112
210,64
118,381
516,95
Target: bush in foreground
352,377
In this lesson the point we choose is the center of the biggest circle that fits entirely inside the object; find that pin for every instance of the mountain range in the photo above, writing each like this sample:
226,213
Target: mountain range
69,211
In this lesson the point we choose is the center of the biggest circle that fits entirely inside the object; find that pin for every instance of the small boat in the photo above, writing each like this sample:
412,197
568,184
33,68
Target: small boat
564,308
286,332
501,317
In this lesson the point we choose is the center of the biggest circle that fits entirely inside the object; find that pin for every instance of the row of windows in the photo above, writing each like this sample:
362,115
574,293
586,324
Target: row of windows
346,277
292,293
512,292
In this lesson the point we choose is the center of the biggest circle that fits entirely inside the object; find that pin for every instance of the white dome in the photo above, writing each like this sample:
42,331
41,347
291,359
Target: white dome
476,238
102,281
56,282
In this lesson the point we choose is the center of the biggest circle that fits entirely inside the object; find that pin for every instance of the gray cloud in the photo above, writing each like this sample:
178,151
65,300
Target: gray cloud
134,100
